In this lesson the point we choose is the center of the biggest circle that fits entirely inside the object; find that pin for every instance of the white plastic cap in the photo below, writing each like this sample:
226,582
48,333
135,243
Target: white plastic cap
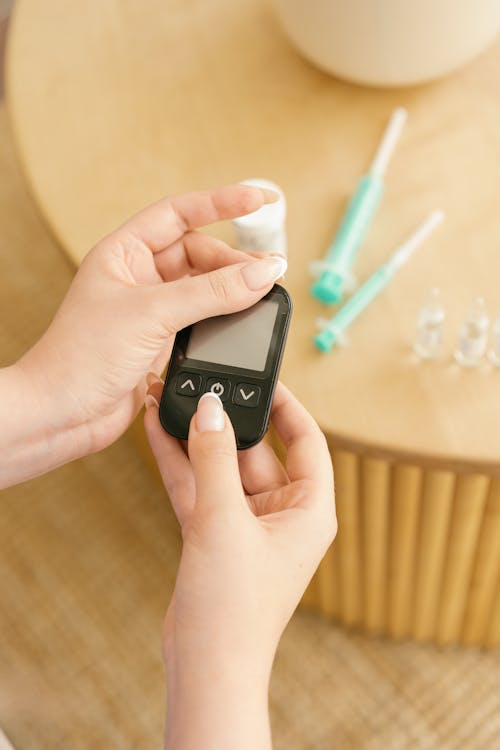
269,216
264,230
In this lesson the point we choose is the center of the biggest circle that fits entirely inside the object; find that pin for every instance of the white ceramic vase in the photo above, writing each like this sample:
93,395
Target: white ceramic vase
389,42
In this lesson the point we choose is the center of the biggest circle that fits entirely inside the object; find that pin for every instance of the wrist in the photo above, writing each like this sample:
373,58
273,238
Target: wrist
217,704
228,660
228,671
33,437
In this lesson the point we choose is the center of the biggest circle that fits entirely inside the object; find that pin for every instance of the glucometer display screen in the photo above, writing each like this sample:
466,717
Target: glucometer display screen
238,340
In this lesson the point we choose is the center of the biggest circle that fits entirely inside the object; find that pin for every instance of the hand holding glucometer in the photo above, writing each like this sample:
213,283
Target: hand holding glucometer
235,356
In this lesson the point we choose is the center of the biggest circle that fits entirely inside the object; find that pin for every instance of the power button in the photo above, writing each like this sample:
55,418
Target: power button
219,386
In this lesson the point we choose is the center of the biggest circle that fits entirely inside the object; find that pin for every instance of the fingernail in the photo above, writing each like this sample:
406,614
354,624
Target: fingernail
149,401
270,196
210,414
152,378
263,272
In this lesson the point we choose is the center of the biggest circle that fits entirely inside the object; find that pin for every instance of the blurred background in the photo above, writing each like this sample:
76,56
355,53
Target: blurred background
105,107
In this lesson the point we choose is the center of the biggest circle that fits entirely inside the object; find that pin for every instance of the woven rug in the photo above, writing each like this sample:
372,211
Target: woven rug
87,562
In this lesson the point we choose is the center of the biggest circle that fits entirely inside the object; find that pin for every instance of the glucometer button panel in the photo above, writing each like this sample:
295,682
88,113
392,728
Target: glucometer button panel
219,386
246,395
188,384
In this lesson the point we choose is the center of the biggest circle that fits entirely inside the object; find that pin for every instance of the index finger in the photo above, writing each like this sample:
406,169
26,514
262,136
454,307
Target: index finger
164,222
307,454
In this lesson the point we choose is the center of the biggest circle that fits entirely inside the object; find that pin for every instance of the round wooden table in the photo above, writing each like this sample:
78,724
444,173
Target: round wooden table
114,105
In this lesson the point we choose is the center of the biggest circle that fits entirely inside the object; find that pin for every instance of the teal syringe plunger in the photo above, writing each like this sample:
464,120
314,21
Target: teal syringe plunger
333,331
335,272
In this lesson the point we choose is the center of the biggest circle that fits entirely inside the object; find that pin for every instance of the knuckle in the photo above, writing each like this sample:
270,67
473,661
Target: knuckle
221,287
247,199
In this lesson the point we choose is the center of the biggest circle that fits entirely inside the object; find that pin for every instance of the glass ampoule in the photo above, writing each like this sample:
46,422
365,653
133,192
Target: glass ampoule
473,335
494,354
429,337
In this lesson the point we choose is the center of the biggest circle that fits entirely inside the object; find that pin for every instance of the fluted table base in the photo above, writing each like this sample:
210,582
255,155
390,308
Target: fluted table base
417,554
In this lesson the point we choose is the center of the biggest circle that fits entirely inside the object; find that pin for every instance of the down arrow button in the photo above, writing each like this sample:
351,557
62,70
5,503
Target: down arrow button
246,395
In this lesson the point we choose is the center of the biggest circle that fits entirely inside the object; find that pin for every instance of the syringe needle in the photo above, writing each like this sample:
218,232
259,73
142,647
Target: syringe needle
404,251
388,142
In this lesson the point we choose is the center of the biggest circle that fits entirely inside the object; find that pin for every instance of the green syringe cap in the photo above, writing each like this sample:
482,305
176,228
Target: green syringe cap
324,340
328,287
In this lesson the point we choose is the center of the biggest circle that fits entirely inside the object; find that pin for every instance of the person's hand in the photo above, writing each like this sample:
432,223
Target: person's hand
132,293
253,534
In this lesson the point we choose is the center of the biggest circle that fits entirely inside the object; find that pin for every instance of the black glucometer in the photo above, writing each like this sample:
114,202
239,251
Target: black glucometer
235,356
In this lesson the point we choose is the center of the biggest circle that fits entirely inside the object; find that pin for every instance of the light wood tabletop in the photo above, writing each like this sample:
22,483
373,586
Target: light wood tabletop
114,105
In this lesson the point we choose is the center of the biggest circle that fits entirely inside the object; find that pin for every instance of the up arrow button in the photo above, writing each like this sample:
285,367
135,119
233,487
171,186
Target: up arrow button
188,384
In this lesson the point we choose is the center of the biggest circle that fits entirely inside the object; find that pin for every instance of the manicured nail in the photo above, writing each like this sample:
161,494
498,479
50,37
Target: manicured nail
270,196
152,378
149,401
210,414
261,273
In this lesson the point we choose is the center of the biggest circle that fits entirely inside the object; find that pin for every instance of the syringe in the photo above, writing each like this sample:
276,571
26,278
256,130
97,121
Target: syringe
335,272
334,330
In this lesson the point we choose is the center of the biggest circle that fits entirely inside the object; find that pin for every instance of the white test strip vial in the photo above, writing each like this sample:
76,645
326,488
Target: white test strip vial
429,338
263,231
473,335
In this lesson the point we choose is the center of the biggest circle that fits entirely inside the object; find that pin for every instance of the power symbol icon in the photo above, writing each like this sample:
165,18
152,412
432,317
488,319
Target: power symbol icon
218,389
